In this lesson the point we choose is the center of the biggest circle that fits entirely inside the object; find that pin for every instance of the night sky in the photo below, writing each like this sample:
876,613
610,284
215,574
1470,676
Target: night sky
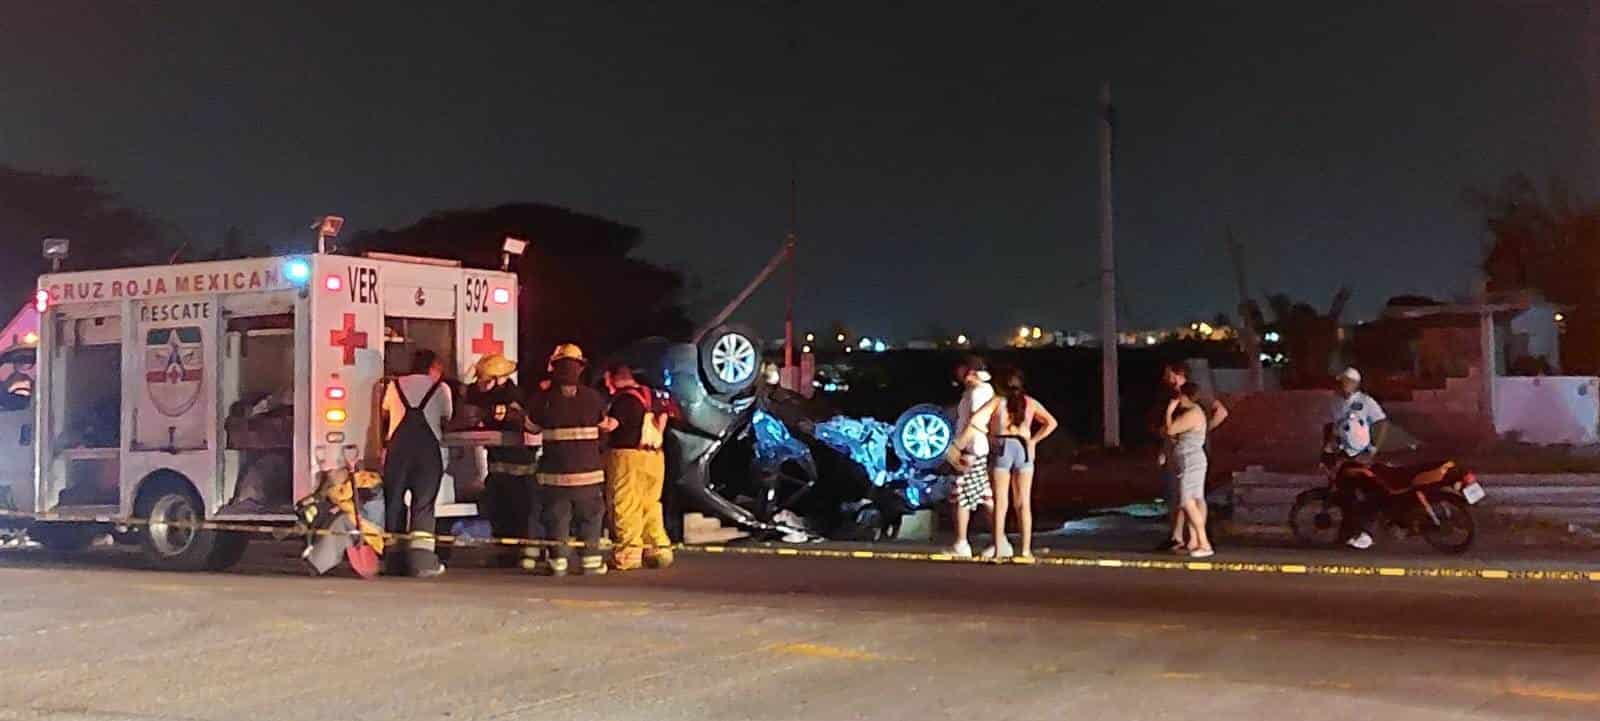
945,151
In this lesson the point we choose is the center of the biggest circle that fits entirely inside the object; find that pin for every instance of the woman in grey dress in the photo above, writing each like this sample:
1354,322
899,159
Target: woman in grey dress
1186,434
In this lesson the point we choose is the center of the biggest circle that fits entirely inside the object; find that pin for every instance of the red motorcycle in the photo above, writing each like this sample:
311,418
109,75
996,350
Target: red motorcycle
1432,500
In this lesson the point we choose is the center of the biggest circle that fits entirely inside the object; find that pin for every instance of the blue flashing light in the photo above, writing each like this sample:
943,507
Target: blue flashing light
297,270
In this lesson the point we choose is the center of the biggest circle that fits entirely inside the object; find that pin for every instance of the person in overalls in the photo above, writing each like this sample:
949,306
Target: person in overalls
508,494
571,416
414,462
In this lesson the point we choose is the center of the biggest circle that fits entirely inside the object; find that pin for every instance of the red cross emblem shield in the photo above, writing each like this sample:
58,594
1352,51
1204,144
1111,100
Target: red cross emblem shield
174,368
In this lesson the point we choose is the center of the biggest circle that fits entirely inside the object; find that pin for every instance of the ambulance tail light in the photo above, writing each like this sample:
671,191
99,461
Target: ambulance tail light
501,296
335,393
41,301
333,282
335,416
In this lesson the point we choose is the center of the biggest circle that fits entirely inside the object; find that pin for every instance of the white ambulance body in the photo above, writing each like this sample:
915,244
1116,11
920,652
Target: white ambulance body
160,388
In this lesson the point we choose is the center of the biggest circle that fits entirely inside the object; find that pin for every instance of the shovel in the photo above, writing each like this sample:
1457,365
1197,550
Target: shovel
362,559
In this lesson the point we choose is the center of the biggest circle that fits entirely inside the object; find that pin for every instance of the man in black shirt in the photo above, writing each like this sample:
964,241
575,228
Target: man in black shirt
636,472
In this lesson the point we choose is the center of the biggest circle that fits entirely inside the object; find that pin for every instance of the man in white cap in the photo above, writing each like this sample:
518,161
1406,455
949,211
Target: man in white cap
1355,434
973,489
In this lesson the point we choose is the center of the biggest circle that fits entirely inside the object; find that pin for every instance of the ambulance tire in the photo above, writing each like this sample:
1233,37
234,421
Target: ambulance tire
229,550
64,537
730,359
167,501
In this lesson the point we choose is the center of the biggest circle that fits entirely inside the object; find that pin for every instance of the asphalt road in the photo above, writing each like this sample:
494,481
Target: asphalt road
92,636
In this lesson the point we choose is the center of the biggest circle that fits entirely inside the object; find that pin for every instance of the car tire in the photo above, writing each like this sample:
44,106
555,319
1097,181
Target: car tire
730,359
921,436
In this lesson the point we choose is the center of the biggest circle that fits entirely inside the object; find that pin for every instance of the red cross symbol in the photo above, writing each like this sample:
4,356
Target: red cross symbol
487,344
348,338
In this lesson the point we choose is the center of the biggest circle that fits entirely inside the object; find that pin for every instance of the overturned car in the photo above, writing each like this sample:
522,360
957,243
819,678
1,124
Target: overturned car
748,453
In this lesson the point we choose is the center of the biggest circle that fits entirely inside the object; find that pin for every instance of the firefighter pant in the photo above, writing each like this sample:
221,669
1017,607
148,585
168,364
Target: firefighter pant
508,500
574,511
420,471
634,479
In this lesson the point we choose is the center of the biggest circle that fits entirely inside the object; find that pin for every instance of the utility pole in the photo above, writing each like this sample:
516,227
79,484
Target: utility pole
788,313
1249,333
1110,411
1487,367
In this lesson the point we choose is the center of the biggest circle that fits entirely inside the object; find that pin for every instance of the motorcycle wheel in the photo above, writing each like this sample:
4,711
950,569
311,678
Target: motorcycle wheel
1315,519
1456,528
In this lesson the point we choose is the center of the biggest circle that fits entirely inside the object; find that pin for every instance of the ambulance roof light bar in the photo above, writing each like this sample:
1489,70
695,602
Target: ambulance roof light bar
511,248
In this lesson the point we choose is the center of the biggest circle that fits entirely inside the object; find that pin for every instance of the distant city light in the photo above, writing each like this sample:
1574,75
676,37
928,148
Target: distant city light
1022,332
1149,340
1204,328
1037,332
839,338
879,347
865,344
1273,337
1561,317
961,339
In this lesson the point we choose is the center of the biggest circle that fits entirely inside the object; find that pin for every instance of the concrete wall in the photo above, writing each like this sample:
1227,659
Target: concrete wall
1548,410
1263,497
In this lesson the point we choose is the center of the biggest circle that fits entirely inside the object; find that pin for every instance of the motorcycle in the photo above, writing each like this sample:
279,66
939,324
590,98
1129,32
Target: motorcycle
1432,500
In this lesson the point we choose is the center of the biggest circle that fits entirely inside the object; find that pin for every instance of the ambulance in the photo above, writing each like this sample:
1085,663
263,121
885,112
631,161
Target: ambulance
171,394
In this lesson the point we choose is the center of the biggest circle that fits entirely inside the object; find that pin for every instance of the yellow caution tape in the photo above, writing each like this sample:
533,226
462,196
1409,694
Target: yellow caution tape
1561,575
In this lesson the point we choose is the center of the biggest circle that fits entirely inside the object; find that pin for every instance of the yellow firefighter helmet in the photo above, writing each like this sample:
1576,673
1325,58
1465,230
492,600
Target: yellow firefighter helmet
566,351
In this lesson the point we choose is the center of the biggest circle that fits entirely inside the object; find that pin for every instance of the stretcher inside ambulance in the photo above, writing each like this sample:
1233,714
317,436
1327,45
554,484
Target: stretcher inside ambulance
219,391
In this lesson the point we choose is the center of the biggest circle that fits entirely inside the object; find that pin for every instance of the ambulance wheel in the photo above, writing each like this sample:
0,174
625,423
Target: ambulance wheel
172,540
921,436
229,550
64,537
730,358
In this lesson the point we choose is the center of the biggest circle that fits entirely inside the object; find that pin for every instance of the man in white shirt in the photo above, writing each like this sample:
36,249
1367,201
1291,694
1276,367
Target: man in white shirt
418,406
973,490
1354,436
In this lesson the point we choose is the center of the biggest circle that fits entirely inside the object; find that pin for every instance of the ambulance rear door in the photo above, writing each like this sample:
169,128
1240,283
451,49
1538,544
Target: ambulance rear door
170,387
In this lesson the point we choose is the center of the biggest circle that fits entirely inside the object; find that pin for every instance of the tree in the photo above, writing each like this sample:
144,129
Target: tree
104,234
578,283
1548,242
1310,339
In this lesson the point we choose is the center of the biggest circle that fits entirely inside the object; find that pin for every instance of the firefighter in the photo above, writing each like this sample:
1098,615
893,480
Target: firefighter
417,406
571,475
636,470
508,489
